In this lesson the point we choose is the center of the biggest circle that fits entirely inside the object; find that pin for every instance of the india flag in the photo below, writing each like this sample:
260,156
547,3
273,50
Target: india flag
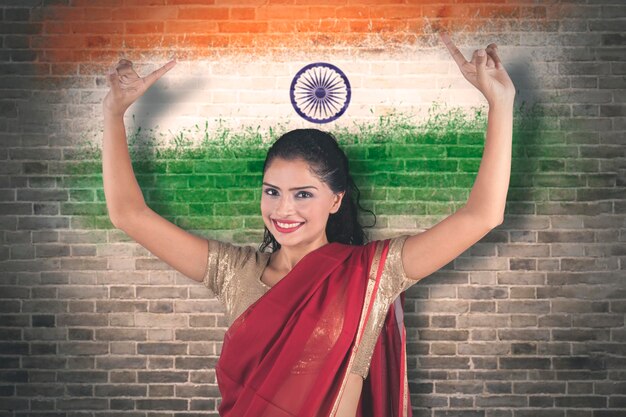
374,73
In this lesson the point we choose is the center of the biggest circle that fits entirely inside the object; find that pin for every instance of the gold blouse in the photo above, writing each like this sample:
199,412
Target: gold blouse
233,274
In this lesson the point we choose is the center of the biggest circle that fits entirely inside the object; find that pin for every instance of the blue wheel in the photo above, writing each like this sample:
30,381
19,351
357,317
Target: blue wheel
320,92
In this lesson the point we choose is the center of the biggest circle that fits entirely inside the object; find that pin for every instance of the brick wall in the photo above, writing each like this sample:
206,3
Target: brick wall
528,322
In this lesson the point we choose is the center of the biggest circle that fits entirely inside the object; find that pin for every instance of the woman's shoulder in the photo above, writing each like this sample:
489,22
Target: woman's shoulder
226,259
395,243
393,273
236,255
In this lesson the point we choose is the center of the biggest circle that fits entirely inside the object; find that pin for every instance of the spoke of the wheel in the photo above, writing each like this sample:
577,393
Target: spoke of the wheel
328,107
310,102
326,79
307,83
316,79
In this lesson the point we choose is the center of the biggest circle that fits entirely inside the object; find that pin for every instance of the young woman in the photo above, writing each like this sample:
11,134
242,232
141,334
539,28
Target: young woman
315,325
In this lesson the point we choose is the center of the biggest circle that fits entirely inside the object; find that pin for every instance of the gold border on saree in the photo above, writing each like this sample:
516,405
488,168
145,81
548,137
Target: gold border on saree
371,283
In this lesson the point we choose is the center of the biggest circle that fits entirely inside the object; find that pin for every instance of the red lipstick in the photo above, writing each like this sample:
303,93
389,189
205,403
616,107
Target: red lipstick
286,229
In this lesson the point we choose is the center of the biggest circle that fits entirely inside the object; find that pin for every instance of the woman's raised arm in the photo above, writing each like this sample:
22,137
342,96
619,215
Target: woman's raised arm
127,208
428,251
121,190
486,72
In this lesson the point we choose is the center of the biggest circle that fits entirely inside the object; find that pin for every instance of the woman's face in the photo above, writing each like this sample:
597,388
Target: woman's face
292,194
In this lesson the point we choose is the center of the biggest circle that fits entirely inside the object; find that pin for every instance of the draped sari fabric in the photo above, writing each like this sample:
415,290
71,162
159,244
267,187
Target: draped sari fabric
290,352
385,390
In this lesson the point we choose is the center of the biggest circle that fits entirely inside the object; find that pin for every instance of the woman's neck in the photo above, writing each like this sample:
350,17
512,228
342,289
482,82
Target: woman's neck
288,256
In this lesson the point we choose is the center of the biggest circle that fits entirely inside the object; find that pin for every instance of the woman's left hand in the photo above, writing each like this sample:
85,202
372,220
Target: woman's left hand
484,72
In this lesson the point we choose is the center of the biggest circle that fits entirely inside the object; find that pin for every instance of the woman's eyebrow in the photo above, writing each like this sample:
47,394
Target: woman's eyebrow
291,189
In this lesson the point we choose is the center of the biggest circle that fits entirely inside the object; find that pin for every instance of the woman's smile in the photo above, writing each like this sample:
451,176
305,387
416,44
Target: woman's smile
286,227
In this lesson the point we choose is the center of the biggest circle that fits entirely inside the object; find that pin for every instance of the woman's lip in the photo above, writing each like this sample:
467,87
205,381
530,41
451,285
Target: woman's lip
286,230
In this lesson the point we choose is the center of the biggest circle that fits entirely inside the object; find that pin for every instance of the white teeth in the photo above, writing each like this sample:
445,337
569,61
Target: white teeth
288,226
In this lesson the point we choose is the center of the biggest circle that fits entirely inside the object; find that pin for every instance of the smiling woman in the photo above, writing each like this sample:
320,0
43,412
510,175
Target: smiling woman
335,293
316,325
314,174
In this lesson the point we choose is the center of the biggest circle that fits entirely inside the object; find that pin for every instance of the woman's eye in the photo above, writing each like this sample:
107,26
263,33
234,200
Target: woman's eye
271,191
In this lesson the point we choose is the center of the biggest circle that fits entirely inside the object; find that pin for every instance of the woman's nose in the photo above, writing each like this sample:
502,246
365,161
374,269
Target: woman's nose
284,206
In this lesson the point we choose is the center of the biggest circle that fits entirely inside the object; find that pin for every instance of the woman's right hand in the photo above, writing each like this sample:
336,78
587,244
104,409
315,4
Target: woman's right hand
126,86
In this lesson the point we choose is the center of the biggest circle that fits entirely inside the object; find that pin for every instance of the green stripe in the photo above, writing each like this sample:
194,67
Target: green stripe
401,168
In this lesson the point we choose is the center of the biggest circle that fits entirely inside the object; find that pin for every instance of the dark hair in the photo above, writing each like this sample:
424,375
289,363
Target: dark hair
329,163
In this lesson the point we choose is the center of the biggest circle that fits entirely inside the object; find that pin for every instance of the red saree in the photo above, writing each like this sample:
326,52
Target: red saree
289,353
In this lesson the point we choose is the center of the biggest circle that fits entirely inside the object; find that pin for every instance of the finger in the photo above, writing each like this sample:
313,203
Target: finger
492,51
481,68
123,78
124,66
127,73
113,80
158,73
454,51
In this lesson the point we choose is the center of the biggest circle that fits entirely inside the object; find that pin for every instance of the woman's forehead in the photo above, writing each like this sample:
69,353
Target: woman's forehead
290,173
295,167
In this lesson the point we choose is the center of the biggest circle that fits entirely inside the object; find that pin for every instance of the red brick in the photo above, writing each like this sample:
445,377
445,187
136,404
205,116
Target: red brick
374,2
97,27
139,28
190,26
323,26
143,41
66,41
63,13
282,12
101,3
191,2
241,39
242,13
202,41
240,2
377,25
319,3
145,2
207,13
353,12
281,26
57,55
109,56
98,13
55,27
170,40
484,1
322,12
103,41
447,11
82,55
395,12
416,26
145,13
242,27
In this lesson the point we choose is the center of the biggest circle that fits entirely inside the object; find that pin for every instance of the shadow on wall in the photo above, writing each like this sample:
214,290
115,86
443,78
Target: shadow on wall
530,129
162,98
